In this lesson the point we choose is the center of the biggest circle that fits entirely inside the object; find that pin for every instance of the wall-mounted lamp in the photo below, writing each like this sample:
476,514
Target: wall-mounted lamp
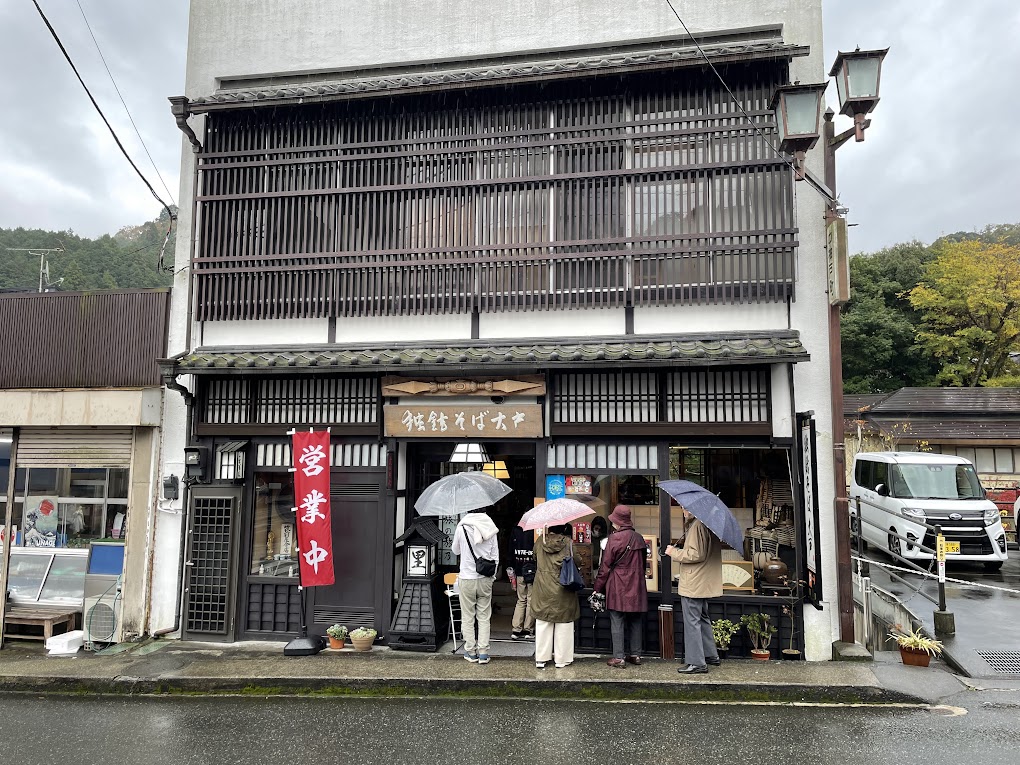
858,78
470,452
171,487
797,108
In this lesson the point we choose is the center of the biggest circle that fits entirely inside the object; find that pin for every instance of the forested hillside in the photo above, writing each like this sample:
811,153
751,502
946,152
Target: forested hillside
961,326
126,260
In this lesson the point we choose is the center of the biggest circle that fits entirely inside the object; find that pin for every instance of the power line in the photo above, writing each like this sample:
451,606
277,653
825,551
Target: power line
826,194
124,103
161,265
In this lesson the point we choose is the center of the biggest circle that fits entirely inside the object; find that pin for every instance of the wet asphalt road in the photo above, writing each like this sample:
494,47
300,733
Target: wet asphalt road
183,731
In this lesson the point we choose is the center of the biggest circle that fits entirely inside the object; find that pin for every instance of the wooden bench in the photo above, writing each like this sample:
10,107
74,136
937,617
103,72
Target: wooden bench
38,616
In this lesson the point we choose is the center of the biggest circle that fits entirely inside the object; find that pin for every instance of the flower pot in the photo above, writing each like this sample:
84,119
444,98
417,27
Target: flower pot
723,652
336,643
915,657
761,654
791,654
362,644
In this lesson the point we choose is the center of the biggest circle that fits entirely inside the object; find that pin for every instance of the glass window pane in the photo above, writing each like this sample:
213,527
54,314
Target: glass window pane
274,545
25,576
966,452
79,522
42,481
115,523
985,462
118,488
1003,460
66,580
87,482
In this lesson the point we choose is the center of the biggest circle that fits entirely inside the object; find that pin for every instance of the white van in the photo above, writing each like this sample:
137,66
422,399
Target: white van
901,490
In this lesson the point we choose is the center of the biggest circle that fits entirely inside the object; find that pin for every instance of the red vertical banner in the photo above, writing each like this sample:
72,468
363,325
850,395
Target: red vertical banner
311,492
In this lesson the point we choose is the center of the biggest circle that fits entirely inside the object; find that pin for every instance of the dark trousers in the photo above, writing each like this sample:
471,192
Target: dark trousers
624,624
699,643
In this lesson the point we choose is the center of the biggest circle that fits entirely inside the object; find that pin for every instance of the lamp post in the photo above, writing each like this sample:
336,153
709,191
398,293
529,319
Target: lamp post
858,78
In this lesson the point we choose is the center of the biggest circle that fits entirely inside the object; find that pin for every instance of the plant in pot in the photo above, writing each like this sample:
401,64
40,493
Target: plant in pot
761,632
723,631
791,652
916,648
337,634
362,638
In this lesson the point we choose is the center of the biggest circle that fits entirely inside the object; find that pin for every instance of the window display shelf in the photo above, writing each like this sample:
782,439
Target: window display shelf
47,576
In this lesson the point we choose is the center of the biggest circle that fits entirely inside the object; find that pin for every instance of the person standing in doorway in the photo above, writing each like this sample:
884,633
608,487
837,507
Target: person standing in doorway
622,578
475,538
522,559
555,607
700,561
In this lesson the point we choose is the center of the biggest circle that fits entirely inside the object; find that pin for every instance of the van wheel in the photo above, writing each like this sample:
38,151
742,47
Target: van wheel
895,545
993,565
855,532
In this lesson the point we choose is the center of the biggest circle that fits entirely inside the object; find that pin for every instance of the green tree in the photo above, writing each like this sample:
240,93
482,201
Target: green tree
970,304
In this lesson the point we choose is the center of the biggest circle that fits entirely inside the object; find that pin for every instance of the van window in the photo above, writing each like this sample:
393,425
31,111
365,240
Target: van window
862,473
935,482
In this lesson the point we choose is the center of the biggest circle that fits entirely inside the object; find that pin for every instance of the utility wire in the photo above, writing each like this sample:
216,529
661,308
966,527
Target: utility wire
826,194
123,102
173,217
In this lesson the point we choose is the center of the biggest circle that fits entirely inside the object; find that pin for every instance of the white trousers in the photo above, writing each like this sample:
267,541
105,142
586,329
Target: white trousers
554,638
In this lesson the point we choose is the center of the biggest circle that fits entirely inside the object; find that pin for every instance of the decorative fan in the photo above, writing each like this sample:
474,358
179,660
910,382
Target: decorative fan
738,575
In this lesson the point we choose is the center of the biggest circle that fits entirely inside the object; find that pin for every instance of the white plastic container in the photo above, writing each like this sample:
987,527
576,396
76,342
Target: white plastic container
65,644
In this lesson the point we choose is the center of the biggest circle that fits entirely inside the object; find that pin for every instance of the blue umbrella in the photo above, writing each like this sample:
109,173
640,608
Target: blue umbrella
707,508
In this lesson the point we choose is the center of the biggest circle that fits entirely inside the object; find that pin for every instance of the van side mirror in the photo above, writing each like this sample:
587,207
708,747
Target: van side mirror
882,490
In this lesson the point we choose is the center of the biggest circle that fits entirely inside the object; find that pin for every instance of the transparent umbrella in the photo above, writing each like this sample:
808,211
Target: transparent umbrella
459,493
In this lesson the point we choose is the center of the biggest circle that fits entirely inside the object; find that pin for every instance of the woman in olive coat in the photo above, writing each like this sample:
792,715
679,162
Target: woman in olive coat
555,608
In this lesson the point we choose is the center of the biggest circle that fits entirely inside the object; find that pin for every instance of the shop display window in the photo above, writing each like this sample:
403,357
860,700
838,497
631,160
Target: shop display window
47,577
755,485
69,507
274,540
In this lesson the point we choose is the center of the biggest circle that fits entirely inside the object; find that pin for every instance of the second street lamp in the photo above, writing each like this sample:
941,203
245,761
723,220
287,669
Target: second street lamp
858,78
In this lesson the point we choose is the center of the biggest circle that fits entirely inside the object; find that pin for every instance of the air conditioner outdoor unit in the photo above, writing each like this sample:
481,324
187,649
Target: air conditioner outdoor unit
100,618
101,611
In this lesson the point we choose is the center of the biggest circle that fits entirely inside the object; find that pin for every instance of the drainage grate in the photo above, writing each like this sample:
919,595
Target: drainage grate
1003,662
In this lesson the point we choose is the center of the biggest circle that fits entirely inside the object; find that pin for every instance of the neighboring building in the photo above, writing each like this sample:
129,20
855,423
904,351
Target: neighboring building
547,218
979,424
80,389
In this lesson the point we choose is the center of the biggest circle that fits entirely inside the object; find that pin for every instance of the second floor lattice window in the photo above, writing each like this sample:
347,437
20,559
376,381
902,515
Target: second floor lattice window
641,190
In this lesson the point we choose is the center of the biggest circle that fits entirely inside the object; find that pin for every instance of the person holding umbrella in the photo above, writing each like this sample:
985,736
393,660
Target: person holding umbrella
700,561
622,578
554,606
475,538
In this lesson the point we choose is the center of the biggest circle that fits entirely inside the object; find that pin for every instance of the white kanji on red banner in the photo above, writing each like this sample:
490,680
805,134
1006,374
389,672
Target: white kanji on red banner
311,493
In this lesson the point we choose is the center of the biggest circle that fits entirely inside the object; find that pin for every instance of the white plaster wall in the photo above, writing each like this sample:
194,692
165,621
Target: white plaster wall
525,324
676,319
403,329
782,413
261,37
248,334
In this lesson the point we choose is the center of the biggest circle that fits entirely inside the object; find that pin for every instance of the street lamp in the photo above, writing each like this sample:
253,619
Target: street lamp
797,108
858,77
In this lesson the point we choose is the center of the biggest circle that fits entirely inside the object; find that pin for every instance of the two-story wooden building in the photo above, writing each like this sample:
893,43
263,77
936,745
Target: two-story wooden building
550,229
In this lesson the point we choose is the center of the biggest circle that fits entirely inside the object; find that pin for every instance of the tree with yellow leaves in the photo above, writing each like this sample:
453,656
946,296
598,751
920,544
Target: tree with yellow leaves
969,300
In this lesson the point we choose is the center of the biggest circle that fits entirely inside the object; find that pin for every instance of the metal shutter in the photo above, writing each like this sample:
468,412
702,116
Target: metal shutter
75,447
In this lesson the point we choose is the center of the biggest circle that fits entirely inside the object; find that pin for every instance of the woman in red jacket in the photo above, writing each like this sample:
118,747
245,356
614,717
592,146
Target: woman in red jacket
622,579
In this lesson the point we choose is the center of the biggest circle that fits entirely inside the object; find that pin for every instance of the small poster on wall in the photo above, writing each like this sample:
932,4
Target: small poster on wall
41,522
578,484
555,486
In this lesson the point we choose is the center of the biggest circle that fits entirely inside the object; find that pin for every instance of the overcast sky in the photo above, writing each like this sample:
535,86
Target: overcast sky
938,159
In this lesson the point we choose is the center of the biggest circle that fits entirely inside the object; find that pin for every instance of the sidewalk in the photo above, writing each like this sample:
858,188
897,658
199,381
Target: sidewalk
176,667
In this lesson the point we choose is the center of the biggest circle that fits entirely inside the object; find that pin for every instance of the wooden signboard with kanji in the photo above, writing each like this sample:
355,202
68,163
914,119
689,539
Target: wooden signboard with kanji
463,422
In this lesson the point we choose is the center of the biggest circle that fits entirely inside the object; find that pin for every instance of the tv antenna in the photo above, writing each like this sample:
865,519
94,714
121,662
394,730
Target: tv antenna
44,266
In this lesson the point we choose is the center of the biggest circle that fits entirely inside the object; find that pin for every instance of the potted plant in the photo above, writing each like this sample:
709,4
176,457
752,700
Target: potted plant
916,648
337,634
791,652
723,631
761,632
362,638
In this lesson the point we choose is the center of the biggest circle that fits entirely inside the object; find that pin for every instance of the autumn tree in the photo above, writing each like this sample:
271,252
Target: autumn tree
969,300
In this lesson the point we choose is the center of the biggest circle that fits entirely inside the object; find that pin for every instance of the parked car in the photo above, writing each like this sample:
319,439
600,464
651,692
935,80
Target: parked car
900,492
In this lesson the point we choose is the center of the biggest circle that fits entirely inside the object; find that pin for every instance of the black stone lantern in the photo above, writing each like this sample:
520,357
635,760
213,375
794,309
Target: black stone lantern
421,621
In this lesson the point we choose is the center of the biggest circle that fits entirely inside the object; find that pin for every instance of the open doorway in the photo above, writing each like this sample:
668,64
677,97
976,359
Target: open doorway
429,462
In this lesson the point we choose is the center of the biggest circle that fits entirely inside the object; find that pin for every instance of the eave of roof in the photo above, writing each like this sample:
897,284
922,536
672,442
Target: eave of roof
757,44
676,350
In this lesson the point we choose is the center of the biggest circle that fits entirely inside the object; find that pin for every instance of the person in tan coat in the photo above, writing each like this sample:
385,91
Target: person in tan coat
700,561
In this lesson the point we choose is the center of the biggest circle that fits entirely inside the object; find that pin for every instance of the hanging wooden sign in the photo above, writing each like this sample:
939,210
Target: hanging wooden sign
464,422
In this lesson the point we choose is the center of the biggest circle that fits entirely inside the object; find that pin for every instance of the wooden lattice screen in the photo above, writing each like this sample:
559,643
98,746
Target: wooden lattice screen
643,190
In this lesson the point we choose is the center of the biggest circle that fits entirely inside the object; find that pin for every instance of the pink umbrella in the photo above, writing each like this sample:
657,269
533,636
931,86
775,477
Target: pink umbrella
554,512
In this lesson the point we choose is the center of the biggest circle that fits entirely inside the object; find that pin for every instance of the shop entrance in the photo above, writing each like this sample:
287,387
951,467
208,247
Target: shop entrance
428,463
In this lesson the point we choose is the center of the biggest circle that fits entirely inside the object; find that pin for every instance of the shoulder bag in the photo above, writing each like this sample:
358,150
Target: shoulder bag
570,575
597,600
484,566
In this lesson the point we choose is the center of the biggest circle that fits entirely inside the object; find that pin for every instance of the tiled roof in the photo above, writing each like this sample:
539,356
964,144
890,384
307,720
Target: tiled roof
950,429
854,404
292,89
988,401
681,350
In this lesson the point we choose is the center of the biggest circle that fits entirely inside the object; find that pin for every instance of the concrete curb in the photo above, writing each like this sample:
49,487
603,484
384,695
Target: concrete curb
621,690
